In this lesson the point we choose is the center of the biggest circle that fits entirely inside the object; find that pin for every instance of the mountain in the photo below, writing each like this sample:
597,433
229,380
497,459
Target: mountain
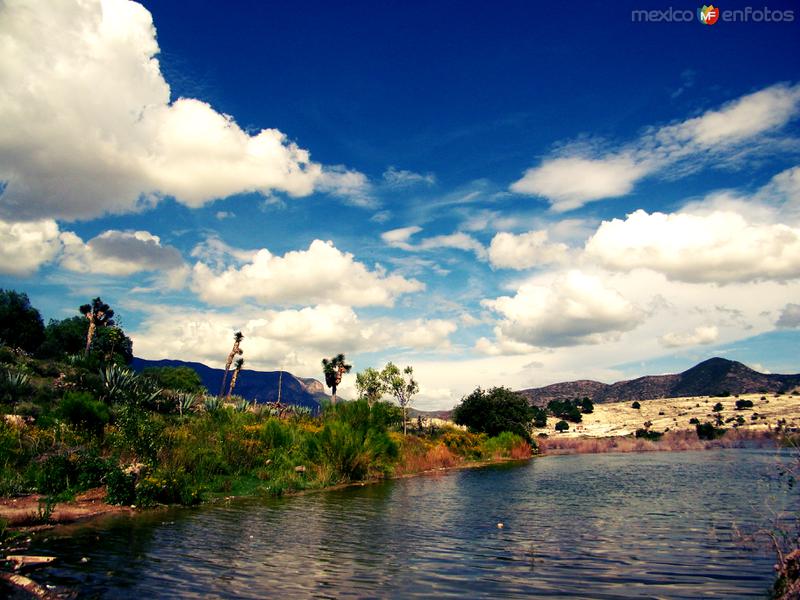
256,386
709,378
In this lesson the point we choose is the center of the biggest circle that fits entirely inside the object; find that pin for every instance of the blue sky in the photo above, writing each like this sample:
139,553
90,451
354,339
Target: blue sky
507,193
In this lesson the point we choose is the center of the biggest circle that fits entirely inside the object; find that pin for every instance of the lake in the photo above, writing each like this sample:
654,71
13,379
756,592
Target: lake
654,525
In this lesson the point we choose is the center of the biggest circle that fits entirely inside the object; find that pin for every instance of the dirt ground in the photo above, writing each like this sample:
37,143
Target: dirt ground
27,509
619,418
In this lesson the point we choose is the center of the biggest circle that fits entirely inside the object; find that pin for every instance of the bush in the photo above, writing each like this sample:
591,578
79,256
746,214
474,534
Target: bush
21,325
694,421
646,434
562,426
462,443
502,445
120,487
718,407
179,379
495,411
742,404
636,405
81,410
707,431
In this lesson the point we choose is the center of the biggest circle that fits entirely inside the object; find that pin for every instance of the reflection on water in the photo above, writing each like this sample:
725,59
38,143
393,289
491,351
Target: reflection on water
658,525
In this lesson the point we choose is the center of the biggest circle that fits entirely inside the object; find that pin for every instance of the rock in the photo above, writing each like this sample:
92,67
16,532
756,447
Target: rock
300,469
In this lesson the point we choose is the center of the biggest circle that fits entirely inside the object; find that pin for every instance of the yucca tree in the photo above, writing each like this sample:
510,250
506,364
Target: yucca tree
333,369
235,377
236,350
99,314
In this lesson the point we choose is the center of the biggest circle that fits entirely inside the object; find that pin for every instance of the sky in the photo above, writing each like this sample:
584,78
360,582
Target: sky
507,193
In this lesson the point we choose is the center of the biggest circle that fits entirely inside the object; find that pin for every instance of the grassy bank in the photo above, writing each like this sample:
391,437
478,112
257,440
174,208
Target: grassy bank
75,425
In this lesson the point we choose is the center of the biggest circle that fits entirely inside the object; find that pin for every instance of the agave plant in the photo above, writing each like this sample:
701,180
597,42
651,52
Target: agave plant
212,404
242,406
117,382
186,402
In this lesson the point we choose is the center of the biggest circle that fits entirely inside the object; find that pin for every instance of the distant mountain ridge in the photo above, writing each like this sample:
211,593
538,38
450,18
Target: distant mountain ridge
255,386
708,378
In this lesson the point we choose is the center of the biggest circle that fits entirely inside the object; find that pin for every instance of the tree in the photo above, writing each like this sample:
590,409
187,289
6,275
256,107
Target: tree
402,386
562,426
495,411
587,406
237,368
333,370
99,314
21,325
68,336
370,386
236,350
636,405
178,379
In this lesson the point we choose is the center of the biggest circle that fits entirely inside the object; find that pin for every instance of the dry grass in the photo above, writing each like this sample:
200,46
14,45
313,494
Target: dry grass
672,441
673,414
428,459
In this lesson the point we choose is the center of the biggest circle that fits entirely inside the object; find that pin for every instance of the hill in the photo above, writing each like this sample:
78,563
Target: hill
256,386
715,376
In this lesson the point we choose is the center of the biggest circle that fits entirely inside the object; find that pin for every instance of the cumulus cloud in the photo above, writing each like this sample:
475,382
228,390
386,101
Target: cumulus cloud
291,338
789,317
400,238
87,125
119,253
574,308
572,179
720,247
320,274
701,335
24,247
571,182
525,250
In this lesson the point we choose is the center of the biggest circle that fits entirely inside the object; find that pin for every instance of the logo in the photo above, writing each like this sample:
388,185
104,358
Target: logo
708,15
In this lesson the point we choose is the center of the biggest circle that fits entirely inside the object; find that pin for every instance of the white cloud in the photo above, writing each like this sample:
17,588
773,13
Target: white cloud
119,253
739,120
701,335
525,250
320,274
399,238
291,338
571,182
720,247
352,186
24,247
87,126
399,178
573,308
789,317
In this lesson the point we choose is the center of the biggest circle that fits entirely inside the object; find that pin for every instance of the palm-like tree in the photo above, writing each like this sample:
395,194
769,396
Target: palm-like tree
333,369
235,377
237,339
99,314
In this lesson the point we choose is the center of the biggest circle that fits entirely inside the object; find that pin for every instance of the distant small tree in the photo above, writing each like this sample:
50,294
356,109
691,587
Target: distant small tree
178,379
334,369
636,405
370,386
402,386
562,426
539,417
587,406
98,314
21,325
235,351
718,407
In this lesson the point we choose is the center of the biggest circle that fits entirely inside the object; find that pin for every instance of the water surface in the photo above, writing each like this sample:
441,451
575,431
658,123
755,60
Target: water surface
657,525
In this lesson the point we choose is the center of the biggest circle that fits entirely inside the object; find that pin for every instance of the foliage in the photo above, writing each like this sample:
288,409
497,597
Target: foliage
645,433
742,404
587,406
333,369
68,337
562,426
707,431
494,411
539,416
569,410
636,405
82,410
21,325
14,386
98,314
718,407
401,385
370,386
178,379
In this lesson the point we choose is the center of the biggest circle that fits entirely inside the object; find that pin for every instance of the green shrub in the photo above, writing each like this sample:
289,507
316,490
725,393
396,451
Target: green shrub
54,474
81,410
653,436
707,431
120,487
495,411
562,426
742,404
694,421
636,405
463,443
501,445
